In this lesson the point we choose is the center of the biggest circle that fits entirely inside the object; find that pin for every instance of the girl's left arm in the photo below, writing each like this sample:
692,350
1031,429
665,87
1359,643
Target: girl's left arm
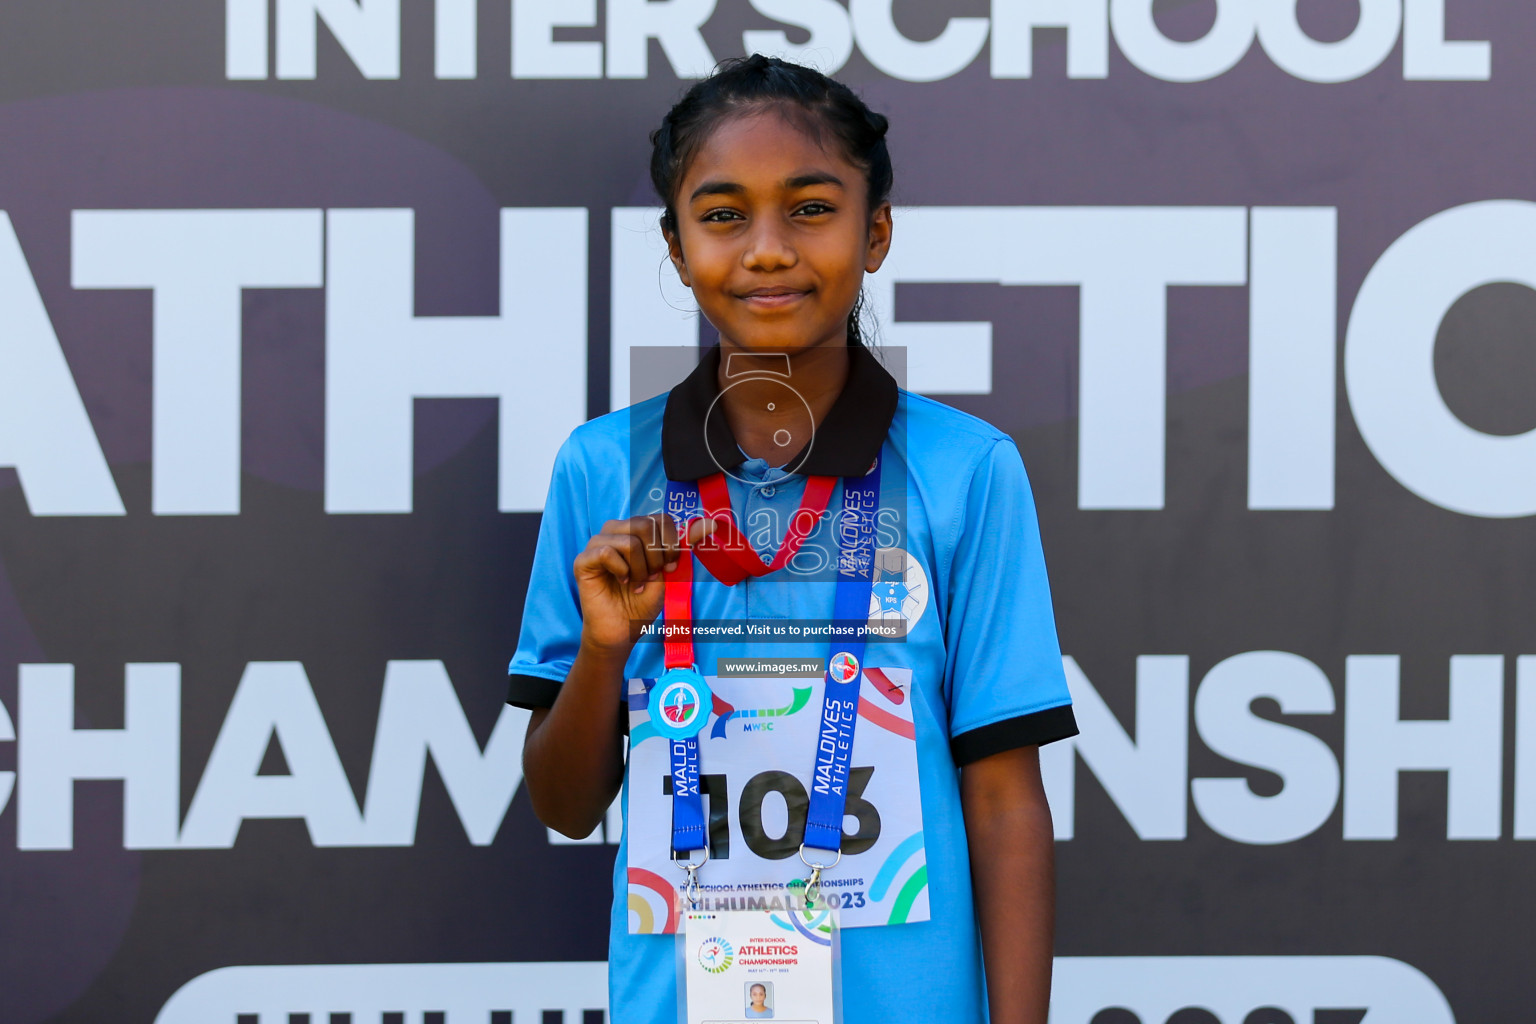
1012,844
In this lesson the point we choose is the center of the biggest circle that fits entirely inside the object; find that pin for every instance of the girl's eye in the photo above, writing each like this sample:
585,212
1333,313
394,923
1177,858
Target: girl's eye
814,209
720,215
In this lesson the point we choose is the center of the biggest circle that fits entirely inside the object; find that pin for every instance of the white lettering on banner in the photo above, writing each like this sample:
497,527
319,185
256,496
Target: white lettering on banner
886,48
942,244
380,355
1215,53
1389,369
273,702
1244,988
675,24
1427,56
197,263
1013,30
1292,351
455,38
1305,988
370,992
1525,747
1309,773
1358,53
1145,777
420,715
368,30
831,41
44,431
245,39
1467,746
7,778
145,753
532,355
536,54
1123,260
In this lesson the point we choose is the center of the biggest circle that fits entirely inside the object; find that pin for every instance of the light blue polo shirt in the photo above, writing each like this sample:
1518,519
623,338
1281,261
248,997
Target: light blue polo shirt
981,642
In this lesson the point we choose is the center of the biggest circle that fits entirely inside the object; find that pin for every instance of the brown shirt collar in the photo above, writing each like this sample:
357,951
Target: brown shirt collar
695,443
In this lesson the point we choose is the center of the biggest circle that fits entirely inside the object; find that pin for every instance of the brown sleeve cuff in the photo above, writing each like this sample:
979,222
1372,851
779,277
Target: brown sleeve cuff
1032,730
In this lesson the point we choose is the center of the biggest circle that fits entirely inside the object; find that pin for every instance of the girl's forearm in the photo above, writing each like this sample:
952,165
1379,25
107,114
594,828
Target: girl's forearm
1008,827
572,758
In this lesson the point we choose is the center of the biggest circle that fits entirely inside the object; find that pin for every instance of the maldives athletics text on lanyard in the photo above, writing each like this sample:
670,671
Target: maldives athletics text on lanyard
680,701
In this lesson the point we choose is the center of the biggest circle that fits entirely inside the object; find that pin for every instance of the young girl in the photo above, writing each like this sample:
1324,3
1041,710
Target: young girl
807,484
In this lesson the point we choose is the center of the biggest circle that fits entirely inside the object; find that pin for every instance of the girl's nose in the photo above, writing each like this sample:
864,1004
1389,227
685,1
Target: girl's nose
769,248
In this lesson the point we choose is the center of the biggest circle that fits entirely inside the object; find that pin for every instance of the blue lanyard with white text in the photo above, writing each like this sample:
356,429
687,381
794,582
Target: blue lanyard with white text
679,695
840,704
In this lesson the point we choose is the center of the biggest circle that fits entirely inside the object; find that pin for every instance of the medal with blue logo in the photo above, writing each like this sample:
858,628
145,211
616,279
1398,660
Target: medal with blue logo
680,703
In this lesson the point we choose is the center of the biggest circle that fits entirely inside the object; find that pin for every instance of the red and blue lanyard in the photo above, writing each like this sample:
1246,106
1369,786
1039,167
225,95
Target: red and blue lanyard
680,700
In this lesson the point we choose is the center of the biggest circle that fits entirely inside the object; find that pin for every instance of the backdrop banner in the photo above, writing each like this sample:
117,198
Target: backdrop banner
298,298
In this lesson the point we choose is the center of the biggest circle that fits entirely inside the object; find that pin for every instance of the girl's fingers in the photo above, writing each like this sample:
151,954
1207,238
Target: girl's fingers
634,551
645,538
661,541
637,550
666,548
614,562
616,555
698,529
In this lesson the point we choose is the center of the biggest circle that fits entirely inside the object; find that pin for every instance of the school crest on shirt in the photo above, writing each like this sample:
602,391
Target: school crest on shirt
900,590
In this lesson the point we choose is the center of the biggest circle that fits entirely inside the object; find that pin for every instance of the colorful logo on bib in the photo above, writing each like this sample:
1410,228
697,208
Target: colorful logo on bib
800,698
716,955
844,668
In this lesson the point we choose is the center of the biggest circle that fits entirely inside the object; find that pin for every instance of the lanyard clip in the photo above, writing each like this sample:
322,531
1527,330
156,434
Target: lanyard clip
691,887
813,884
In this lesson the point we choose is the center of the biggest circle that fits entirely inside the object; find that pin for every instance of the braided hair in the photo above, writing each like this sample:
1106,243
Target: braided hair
815,103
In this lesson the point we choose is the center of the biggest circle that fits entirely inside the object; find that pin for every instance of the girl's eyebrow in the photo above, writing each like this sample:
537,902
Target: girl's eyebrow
799,181
813,178
718,188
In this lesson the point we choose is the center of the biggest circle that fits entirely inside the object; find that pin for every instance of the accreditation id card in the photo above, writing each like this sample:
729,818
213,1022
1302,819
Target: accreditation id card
745,965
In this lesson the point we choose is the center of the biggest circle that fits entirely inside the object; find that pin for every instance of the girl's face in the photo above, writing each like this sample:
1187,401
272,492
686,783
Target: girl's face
774,235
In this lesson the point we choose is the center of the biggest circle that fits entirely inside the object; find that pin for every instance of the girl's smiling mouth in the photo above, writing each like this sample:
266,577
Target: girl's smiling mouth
776,297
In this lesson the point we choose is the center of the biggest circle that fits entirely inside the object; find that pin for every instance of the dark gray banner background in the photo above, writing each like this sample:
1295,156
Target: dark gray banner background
118,106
